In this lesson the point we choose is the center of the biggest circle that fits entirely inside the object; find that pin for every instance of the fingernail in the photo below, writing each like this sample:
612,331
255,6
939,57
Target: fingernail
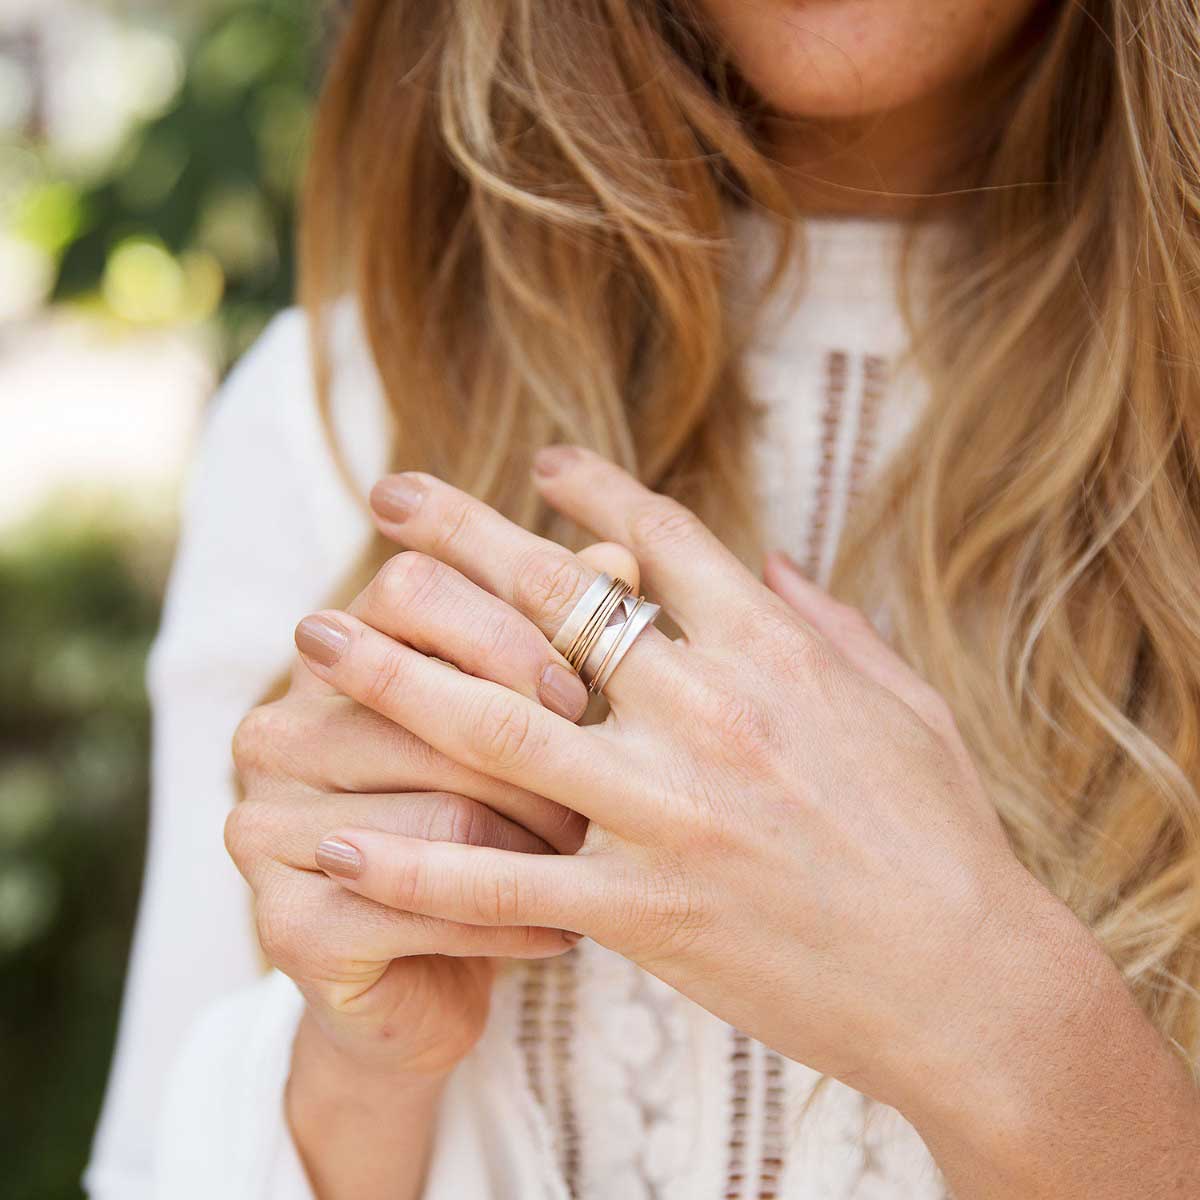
322,639
572,938
336,857
562,691
553,459
397,497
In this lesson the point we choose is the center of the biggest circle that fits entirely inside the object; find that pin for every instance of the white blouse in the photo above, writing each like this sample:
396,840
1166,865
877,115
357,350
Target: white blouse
593,1079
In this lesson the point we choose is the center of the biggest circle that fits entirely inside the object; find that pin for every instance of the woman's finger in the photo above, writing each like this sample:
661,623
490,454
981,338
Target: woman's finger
857,640
607,557
683,563
610,558
432,607
482,886
259,833
310,927
536,576
479,723
335,745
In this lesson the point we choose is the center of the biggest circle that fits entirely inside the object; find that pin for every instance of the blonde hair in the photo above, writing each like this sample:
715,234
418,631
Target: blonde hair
533,214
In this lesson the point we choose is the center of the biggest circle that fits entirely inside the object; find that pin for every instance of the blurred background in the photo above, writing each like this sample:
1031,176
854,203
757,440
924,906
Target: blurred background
149,156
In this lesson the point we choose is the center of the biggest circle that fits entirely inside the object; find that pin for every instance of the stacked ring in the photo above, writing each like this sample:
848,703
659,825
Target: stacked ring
594,623
601,627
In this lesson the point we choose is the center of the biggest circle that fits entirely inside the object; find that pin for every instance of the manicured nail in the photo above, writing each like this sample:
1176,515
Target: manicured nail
553,459
322,639
562,691
336,857
396,497
572,938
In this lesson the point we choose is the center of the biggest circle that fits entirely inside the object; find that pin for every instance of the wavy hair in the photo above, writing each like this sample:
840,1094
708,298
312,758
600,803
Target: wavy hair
533,212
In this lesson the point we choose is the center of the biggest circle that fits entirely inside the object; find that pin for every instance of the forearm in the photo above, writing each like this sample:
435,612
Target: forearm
362,1134
1072,1096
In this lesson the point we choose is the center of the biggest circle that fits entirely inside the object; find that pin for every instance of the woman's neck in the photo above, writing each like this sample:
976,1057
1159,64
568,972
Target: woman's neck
915,160
896,164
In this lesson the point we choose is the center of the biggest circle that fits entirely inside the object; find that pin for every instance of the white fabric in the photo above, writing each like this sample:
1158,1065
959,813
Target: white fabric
645,1095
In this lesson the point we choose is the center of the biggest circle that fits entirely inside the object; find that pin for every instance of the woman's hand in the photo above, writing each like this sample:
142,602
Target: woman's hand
394,999
785,822
786,825
314,760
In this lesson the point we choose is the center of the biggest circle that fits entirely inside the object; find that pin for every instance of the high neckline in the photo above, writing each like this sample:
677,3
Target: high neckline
840,258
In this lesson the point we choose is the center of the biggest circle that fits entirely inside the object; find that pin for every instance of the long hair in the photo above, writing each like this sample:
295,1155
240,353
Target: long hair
532,209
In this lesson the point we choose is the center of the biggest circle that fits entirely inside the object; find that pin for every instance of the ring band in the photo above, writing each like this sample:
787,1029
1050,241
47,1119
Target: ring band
578,616
643,615
593,628
601,627
596,663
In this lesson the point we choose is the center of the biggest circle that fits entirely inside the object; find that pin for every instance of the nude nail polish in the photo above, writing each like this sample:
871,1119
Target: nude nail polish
562,691
337,857
322,639
396,497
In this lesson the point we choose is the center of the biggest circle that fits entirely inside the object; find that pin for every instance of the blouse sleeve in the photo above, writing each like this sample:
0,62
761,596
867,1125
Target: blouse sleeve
194,1108
268,531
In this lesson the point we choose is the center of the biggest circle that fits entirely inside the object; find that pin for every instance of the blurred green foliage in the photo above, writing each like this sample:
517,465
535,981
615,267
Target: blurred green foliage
192,220
78,617
194,217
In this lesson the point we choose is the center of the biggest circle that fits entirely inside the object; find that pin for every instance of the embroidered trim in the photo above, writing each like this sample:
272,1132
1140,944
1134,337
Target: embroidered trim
529,1029
562,1028
740,1060
874,383
770,1172
837,364
757,1146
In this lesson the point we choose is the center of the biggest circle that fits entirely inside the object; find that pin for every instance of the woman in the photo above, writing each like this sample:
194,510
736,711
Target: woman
858,918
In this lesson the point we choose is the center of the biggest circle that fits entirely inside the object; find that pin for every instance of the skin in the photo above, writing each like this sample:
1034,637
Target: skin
916,960
394,1000
876,104
437,787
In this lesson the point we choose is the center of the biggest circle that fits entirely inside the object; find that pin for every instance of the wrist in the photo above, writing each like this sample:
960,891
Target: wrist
347,1065
363,1129
1035,993
1065,1089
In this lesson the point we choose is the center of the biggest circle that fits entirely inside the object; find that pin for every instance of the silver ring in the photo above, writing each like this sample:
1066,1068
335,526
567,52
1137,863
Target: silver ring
597,659
578,617
638,617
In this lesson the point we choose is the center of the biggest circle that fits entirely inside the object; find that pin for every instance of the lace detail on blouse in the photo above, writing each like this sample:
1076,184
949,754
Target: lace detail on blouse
646,1096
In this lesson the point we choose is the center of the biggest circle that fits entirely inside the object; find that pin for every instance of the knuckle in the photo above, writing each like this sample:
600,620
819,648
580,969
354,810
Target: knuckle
669,911
662,522
260,737
504,733
500,900
739,724
809,659
764,628
455,518
455,819
547,584
406,887
384,686
497,638
406,579
281,926
241,833
252,833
